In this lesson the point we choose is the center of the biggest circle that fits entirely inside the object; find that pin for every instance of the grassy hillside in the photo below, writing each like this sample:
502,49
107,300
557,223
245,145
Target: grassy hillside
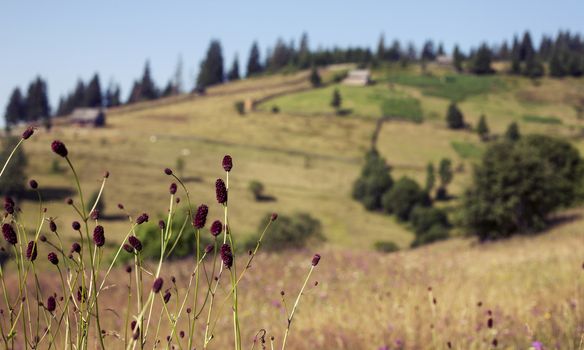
307,157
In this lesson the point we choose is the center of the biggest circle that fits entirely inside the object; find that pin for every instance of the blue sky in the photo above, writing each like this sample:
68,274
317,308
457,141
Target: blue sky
66,40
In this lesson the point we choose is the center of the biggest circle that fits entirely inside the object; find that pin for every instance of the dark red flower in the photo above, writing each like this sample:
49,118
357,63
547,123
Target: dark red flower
201,216
28,133
94,215
209,248
168,171
76,225
315,259
33,184
76,247
59,148
9,234
226,256
135,243
142,219
172,188
161,224
53,258
51,304
9,205
157,285
216,228
274,216
227,163
52,226
221,191
166,297
31,251
99,236
128,248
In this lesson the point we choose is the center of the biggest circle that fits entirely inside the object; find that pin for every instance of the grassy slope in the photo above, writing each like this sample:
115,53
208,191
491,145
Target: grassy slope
364,300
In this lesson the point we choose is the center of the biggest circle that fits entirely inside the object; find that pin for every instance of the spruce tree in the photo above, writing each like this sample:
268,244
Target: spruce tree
234,71
315,79
148,89
430,177
381,48
112,96
454,117
515,58
93,97
512,132
483,128
457,59
254,65
15,109
481,63
211,69
37,102
336,100
557,68
446,175
304,52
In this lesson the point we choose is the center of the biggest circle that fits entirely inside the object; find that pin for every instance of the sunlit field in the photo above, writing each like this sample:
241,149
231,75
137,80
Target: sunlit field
456,294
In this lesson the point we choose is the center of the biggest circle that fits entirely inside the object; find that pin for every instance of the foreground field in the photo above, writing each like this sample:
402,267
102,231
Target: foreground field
307,157
531,288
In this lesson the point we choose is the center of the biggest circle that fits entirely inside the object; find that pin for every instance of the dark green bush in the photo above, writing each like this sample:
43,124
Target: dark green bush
374,181
239,107
386,246
257,189
434,234
288,232
403,197
518,184
424,218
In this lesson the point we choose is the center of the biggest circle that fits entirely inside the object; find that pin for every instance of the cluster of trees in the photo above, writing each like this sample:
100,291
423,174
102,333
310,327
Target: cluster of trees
30,107
405,199
519,183
89,95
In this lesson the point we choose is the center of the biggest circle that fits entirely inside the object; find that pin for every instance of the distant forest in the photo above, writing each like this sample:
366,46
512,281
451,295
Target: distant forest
563,56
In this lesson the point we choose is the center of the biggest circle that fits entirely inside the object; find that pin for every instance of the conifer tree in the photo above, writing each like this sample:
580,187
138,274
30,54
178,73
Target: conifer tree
483,128
512,132
148,89
304,52
234,71
454,117
457,59
211,69
15,109
430,177
336,100
381,48
481,63
37,102
254,65
93,97
315,79
446,175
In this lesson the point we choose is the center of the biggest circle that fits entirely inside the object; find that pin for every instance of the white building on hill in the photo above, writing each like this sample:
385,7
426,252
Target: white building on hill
358,77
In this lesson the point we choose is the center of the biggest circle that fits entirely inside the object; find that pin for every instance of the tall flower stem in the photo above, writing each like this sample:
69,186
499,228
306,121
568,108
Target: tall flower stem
291,317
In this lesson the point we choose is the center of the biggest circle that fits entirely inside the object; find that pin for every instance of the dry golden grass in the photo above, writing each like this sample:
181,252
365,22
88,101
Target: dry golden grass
533,286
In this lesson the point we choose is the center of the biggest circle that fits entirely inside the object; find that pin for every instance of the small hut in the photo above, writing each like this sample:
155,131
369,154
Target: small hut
358,77
88,117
